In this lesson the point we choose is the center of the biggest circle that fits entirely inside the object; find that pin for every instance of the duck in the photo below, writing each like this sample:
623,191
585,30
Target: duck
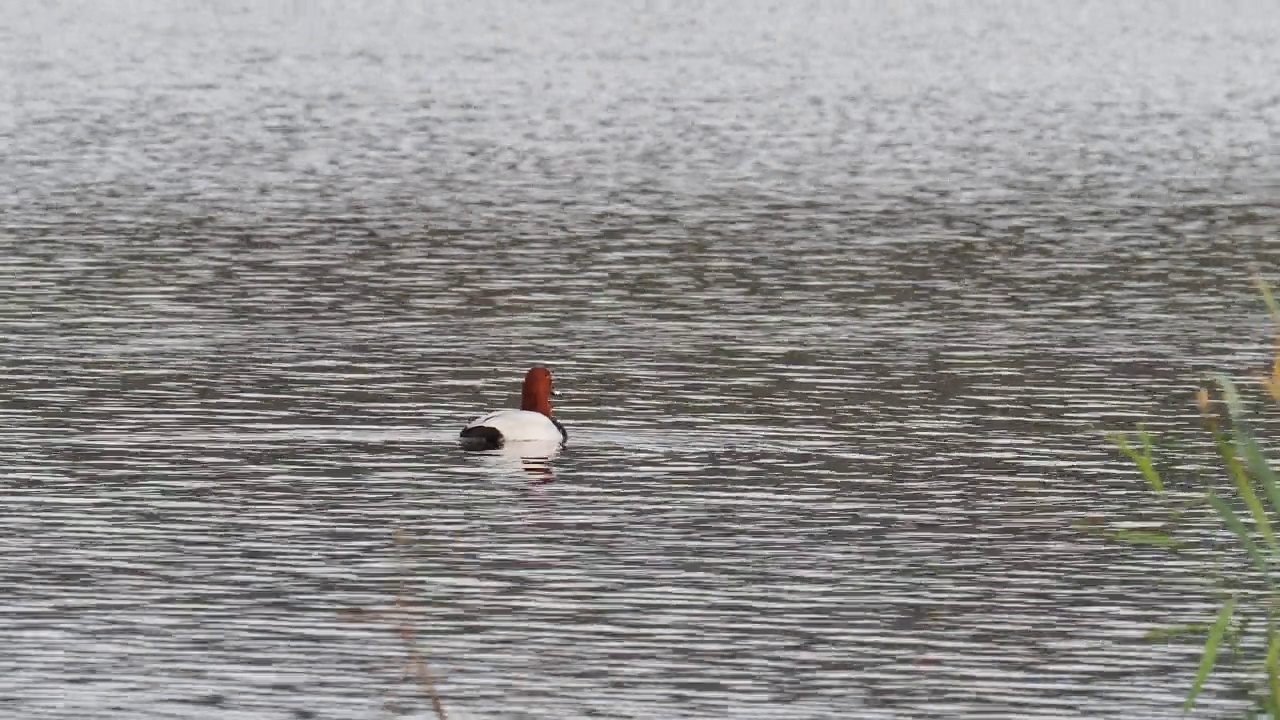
532,422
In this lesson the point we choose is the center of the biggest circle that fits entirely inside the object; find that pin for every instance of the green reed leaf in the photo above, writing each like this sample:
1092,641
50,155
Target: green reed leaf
1231,453
1237,528
1175,631
1141,458
1210,654
1265,289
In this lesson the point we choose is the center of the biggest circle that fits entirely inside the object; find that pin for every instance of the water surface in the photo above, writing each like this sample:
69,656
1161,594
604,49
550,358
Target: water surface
841,298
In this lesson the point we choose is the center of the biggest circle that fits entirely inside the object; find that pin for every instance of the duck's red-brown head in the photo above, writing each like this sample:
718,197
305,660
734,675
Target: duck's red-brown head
536,396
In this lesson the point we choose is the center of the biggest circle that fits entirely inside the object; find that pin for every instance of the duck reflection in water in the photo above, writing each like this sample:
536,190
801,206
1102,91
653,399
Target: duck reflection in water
531,457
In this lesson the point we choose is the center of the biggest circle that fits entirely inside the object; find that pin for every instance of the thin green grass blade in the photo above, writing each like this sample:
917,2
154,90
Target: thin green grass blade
1265,288
1147,465
1142,459
1237,528
1175,631
1177,513
1145,537
1227,451
1236,633
1261,470
1153,538
1231,457
1273,663
1230,396
1250,451
1210,654
1241,477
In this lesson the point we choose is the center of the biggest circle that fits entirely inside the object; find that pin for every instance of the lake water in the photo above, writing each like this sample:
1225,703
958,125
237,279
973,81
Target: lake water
841,298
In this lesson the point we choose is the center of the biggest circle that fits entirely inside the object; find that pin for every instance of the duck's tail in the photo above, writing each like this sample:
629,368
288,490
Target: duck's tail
480,437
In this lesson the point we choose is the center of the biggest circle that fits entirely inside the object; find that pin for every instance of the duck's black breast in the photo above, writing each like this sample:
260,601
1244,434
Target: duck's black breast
564,434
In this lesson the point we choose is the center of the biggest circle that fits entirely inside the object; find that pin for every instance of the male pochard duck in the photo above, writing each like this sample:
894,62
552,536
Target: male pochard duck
532,422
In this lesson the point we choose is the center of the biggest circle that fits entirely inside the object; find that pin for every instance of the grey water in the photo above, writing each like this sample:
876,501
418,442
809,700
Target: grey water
841,296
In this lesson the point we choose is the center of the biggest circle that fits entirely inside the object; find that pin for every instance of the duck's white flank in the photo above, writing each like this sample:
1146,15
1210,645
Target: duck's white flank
519,425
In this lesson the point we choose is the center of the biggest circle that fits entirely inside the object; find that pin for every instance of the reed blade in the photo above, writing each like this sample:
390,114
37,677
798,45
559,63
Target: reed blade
1174,631
1145,537
1142,459
1233,451
1210,654
1237,528
1265,289
1273,664
1260,468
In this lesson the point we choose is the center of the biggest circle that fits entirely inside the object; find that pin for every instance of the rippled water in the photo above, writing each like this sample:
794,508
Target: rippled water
840,297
